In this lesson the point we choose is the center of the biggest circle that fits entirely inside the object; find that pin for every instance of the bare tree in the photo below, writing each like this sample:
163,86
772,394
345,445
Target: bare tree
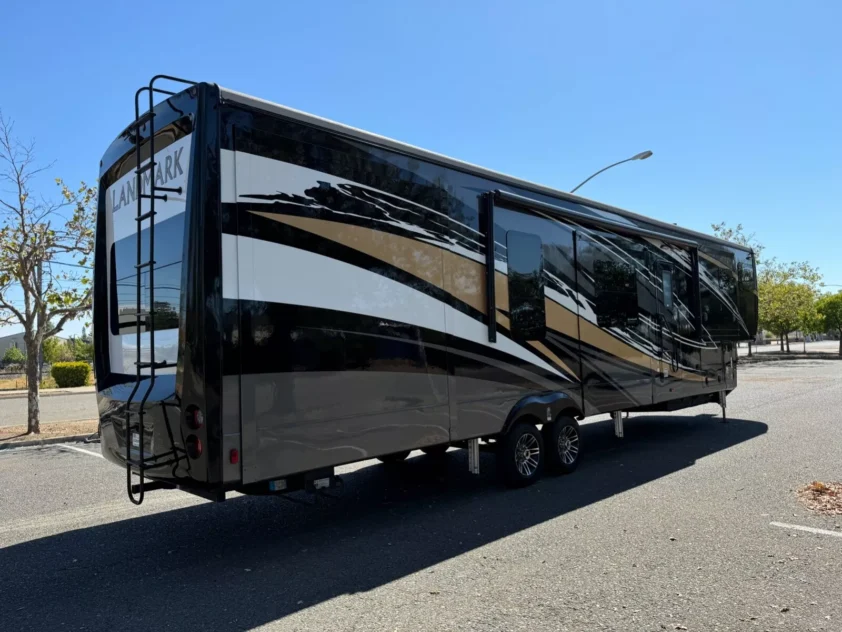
45,248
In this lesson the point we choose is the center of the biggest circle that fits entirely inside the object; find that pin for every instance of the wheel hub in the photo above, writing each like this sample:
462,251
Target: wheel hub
527,453
568,445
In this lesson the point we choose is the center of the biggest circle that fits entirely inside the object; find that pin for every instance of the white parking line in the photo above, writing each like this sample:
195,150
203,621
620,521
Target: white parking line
71,447
799,527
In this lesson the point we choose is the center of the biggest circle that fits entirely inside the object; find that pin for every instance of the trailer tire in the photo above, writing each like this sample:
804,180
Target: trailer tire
396,457
436,450
563,442
520,455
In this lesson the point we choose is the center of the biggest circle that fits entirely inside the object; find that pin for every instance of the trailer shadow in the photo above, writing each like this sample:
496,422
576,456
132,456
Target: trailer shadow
251,561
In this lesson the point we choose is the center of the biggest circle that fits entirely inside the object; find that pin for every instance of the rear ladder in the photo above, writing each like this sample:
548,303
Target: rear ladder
135,432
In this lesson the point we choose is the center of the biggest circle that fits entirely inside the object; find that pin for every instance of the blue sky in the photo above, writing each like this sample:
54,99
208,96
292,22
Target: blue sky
740,102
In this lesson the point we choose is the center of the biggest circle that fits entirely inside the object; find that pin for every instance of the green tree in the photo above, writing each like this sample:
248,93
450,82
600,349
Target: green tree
56,350
38,238
811,321
830,307
787,292
737,235
13,355
81,350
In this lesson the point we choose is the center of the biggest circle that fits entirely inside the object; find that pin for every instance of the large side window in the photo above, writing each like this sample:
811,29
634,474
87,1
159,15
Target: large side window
607,277
526,286
747,292
718,276
616,302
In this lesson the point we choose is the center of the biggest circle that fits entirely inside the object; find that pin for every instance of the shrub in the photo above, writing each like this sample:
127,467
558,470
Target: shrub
13,355
67,374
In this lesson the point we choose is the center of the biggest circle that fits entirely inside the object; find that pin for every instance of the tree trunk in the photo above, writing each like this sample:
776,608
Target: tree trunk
782,342
749,348
840,342
33,379
787,342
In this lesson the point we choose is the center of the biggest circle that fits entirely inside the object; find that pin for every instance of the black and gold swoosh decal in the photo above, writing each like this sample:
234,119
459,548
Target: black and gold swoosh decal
464,279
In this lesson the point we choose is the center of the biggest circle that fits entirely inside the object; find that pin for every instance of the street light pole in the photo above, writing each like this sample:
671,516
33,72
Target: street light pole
641,156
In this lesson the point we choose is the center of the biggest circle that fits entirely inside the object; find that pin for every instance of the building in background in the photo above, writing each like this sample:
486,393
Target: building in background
16,340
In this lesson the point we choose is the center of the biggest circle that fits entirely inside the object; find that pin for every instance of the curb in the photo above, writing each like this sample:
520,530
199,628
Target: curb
46,393
36,442
761,358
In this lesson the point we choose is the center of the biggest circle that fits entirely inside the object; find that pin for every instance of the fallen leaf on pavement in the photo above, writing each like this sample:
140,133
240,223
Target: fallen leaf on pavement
822,497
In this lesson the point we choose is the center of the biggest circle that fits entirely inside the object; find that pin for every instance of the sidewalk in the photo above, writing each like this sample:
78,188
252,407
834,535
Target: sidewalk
48,392
822,346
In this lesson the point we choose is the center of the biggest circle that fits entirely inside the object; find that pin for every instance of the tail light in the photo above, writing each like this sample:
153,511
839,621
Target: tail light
194,447
195,418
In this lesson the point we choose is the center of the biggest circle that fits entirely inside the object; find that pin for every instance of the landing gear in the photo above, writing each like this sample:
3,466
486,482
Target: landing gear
520,455
618,423
564,445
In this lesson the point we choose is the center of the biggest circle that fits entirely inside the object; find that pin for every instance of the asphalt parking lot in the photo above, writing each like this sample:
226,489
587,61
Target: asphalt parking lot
667,529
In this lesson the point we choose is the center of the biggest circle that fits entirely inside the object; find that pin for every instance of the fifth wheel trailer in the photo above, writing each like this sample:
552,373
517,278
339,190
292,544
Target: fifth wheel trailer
277,294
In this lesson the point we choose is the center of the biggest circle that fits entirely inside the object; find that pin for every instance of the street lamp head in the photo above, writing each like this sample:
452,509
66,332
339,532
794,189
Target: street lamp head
641,156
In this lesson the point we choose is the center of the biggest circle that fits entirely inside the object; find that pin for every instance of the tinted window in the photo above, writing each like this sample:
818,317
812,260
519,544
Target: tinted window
682,308
666,283
169,246
526,286
607,276
720,315
673,266
747,291
616,293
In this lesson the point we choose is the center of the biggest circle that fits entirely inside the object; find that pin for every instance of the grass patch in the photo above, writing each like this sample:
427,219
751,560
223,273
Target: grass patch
49,430
13,384
47,383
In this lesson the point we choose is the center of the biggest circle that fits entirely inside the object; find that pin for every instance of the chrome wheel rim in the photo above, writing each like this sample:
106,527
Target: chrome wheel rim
527,454
568,445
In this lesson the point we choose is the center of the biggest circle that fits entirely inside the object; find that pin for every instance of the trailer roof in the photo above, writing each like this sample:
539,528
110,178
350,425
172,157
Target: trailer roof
406,148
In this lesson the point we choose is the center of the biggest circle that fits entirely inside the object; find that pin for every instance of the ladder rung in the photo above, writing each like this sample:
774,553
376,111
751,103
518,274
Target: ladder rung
153,461
170,189
145,216
149,165
157,197
142,119
151,486
145,264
